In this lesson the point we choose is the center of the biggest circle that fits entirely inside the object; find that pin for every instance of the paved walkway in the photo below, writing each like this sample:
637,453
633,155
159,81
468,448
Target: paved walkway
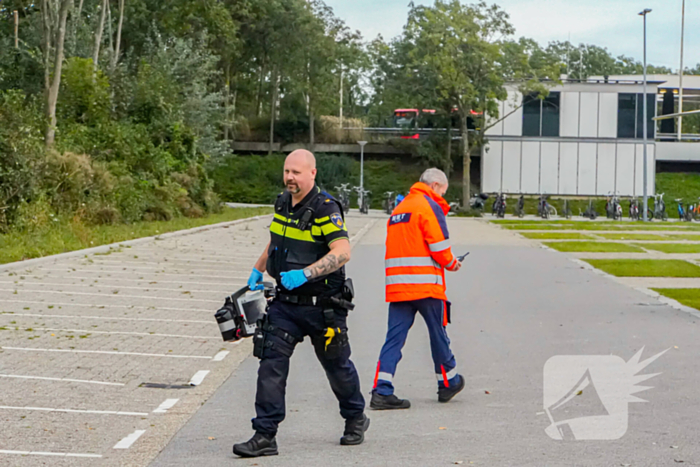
81,337
515,306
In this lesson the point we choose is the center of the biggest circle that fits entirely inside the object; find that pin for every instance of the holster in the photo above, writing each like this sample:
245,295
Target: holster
268,337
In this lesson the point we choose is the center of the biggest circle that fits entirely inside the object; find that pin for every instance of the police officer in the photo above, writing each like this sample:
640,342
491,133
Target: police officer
306,255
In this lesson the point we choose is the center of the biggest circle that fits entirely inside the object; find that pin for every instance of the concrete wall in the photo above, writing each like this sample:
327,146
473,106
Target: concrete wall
582,167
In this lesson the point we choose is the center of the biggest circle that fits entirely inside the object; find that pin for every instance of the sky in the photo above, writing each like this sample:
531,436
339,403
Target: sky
613,24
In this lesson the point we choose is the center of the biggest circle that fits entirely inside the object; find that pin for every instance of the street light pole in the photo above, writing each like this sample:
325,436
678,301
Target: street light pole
680,84
362,172
646,197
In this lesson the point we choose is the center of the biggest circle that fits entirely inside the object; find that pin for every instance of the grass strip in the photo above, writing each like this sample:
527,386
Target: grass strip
687,297
672,247
632,236
65,236
556,236
593,247
646,267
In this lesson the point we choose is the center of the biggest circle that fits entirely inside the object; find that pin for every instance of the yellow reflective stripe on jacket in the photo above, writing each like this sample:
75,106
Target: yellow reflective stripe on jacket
322,220
330,228
291,232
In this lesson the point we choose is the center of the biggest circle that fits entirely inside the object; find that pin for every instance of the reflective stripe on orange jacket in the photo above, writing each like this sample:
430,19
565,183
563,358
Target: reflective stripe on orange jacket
418,247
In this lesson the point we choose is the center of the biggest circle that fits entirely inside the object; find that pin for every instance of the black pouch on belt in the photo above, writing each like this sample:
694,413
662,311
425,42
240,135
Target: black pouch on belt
448,311
259,338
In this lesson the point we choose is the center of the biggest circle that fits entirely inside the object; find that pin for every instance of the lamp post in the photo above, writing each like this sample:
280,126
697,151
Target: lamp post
646,197
362,171
680,83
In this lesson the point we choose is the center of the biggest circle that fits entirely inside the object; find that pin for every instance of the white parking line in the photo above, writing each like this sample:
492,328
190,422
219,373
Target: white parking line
152,334
67,380
90,305
166,405
131,273
93,412
104,352
198,377
108,295
221,355
105,318
97,285
92,279
172,260
155,269
129,440
55,454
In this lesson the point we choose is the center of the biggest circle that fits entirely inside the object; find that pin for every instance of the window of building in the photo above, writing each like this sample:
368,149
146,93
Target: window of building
541,117
630,115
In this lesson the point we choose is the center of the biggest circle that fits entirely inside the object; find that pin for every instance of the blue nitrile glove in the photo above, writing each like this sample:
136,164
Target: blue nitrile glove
255,280
293,279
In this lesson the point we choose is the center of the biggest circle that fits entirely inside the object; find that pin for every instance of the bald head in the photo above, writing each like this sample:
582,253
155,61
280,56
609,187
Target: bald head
299,173
302,156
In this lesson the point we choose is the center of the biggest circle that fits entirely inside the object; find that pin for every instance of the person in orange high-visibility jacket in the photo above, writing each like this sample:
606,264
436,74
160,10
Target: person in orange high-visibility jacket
417,254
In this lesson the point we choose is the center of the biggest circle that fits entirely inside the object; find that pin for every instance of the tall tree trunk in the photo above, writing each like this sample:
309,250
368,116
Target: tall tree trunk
312,127
47,39
117,45
227,101
75,21
466,162
98,38
273,107
52,97
448,160
258,100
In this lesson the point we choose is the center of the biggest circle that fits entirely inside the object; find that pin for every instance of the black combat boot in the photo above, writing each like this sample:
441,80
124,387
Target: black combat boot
389,402
355,431
446,394
258,445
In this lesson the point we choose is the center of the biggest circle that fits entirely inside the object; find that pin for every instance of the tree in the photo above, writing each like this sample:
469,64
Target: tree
456,50
54,40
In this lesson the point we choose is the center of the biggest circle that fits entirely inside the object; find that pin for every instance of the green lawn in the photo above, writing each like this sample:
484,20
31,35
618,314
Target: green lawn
556,236
632,236
593,247
672,247
604,226
71,236
646,267
688,297
691,237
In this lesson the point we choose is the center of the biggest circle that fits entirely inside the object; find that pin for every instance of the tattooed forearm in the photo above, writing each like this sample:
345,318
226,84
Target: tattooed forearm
328,264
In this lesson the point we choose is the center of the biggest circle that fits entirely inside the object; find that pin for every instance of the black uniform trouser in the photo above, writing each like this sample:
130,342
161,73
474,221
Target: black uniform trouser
300,321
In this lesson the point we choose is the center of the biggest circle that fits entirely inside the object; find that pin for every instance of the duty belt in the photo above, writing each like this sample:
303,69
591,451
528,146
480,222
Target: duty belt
308,300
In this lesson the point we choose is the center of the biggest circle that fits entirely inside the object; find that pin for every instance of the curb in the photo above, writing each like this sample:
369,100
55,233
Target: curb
111,246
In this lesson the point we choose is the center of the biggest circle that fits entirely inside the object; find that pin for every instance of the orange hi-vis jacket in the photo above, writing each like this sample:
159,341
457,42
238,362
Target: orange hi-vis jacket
417,247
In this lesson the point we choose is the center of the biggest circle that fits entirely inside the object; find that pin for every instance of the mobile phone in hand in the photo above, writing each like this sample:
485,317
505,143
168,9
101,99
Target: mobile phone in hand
461,258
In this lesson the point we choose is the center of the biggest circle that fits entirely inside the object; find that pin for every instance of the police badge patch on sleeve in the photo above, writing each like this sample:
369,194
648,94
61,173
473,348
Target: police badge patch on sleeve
337,220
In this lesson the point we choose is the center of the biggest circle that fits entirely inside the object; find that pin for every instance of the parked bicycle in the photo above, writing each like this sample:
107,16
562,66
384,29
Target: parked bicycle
613,208
566,214
590,212
498,208
520,207
634,209
544,209
344,196
389,202
479,201
363,199
659,207
684,214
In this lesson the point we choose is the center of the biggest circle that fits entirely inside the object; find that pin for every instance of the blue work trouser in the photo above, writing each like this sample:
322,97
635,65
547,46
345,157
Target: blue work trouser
300,321
401,318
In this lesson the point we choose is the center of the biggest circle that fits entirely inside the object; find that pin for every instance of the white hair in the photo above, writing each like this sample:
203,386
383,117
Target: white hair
434,175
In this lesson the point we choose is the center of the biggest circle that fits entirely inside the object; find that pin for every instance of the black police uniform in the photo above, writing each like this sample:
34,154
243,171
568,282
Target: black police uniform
300,236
